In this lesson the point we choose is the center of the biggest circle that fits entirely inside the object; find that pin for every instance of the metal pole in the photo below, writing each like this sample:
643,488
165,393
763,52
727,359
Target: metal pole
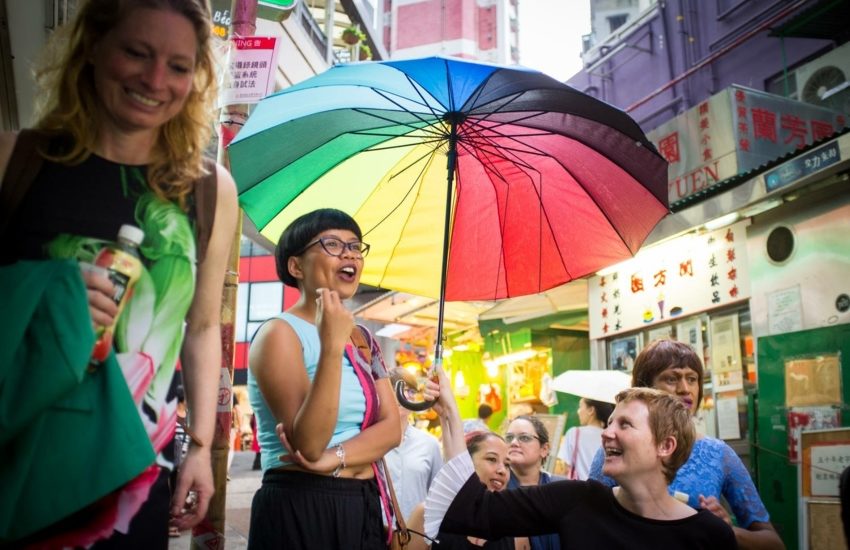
210,533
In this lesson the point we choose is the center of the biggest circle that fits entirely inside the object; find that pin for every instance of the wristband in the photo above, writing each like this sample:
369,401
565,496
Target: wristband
340,454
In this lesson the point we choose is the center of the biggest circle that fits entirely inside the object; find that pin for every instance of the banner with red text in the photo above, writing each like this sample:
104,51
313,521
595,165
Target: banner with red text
686,275
733,132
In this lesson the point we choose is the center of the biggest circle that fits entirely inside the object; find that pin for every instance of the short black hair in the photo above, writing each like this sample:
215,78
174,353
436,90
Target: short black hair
300,232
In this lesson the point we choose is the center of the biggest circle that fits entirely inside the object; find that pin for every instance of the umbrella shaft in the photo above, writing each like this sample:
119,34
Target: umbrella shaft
452,158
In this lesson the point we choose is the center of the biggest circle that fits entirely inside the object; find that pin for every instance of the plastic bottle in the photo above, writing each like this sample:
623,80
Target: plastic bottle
123,266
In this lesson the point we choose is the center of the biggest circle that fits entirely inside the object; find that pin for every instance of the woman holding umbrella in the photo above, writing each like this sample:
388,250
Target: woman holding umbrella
318,381
713,470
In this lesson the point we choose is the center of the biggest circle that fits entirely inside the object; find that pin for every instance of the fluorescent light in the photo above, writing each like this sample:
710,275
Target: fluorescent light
514,357
722,221
392,329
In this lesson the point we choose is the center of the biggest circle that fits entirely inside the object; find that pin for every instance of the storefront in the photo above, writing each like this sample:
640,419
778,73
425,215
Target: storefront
751,270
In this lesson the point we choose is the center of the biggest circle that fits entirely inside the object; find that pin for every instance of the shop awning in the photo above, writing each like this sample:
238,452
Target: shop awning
826,19
564,307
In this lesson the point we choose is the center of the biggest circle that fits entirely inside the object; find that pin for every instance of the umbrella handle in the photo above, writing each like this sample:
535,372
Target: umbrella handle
407,404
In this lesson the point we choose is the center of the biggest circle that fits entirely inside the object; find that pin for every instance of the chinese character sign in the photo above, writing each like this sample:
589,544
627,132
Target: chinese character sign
684,276
734,131
252,66
828,461
768,126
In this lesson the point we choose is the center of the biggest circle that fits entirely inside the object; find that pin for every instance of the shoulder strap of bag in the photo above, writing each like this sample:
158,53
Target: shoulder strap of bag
359,340
403,533
23,167
206,194
573,466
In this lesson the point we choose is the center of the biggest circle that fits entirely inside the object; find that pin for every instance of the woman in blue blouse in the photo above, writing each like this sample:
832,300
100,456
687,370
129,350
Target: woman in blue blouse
713,468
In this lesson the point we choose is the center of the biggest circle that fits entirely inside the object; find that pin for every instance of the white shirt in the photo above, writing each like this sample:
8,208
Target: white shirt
413,465
589,441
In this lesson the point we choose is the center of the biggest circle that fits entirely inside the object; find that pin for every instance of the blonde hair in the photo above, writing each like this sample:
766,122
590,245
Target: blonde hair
668,416
68,104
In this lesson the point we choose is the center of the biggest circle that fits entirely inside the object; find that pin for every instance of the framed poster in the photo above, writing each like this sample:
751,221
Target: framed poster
665,331
689,332
726,368
555,426
813,381
622,352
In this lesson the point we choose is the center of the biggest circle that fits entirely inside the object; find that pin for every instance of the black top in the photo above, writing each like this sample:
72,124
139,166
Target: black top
584,514
93,198
460,542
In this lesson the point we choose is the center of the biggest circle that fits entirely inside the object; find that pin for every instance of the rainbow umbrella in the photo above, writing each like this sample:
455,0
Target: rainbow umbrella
471,181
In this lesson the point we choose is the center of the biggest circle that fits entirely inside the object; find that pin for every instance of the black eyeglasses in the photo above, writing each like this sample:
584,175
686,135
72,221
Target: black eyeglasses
335,247
522,438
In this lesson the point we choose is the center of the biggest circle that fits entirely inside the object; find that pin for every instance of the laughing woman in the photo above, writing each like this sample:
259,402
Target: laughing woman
713,470
311,386
649,436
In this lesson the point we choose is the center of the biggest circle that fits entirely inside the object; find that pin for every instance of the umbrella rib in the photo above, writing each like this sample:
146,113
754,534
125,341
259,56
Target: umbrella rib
389,147
396,122
407,194
397,104
415,85
578,182
522,167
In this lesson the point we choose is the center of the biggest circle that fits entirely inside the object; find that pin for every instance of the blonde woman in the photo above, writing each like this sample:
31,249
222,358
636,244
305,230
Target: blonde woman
127,97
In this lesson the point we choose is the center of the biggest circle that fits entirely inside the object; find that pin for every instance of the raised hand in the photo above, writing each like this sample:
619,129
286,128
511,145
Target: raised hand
713,505
333,320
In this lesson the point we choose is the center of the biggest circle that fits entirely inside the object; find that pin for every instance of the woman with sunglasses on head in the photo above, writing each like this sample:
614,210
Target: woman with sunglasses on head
311,387
528,441
713,469
647,439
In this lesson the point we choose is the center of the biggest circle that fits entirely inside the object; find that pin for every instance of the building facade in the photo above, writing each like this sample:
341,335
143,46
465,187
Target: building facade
486,30
749,102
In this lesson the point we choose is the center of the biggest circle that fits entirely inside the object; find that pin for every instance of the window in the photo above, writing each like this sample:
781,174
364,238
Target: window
617,21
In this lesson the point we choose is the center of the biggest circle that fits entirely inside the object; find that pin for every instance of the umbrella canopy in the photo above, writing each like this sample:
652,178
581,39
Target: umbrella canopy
599,385
470,181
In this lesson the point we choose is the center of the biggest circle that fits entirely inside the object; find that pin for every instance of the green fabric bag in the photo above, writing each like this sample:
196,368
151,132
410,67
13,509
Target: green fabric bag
87,439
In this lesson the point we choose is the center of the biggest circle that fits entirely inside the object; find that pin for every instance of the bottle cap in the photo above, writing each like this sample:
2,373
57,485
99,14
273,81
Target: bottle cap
131,233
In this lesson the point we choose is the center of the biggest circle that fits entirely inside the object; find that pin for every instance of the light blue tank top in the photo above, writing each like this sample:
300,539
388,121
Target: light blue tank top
352,402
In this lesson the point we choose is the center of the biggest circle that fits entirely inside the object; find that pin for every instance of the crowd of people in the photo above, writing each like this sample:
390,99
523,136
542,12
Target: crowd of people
125,117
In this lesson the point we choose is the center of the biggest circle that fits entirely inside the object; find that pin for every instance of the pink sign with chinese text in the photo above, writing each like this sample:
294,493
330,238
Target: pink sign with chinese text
733,132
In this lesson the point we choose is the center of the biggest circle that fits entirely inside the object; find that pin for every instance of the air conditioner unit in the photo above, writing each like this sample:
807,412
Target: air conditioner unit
825,81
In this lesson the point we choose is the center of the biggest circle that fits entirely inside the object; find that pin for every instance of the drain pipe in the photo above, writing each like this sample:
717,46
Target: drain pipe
719,53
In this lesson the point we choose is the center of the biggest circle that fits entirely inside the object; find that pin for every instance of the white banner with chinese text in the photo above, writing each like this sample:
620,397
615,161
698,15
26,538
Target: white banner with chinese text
684,276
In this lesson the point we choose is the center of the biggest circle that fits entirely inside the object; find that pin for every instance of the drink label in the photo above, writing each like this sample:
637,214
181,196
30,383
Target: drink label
121,282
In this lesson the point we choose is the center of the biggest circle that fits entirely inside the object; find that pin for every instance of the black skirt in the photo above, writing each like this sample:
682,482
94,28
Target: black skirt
297,510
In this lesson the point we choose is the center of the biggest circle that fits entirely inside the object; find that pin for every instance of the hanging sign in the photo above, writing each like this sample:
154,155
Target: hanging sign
684,276
251,70
738,130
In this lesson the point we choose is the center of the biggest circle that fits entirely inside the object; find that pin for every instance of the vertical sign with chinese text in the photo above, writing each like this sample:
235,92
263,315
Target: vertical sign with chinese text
251,69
